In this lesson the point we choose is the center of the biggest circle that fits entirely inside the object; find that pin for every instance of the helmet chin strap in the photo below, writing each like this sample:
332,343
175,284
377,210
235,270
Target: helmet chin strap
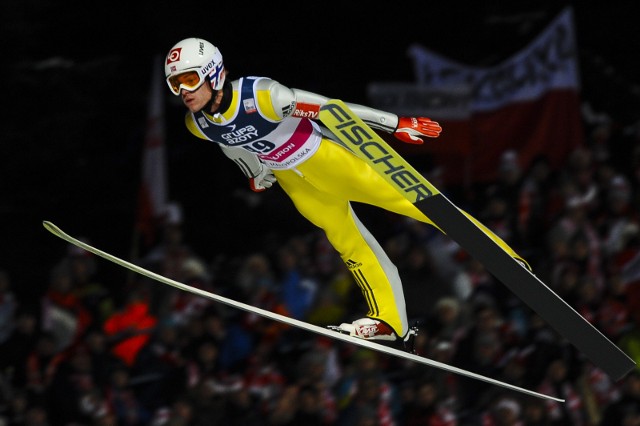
226,99
207,107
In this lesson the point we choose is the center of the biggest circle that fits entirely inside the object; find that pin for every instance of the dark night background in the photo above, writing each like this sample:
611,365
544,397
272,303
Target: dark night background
76,75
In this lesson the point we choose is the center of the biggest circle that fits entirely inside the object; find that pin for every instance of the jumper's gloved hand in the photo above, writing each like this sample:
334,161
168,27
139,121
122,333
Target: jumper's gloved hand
412,129
265,179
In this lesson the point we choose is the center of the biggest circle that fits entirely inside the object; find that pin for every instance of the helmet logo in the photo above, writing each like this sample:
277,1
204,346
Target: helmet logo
174,55
210,66
215,75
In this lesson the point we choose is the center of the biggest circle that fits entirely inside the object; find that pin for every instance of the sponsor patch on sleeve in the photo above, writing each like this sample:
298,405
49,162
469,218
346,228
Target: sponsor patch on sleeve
305,110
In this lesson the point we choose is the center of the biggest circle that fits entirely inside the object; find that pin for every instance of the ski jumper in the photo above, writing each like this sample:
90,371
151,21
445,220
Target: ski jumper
268,124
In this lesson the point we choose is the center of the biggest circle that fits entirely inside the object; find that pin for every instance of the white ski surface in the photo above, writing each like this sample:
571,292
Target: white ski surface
290,321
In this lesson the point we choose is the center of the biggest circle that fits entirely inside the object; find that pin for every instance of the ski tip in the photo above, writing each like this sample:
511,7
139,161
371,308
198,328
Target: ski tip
49,226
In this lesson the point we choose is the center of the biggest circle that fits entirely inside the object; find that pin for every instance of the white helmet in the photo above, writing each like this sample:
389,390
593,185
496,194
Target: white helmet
190,62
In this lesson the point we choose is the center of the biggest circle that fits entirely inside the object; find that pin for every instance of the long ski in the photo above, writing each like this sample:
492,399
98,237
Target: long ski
369,146
289,321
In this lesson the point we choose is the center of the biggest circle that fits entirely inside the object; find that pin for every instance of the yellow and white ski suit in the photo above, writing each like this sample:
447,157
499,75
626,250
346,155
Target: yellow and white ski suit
270,125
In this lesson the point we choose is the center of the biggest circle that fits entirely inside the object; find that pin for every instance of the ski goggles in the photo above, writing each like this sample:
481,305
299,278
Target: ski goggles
189,80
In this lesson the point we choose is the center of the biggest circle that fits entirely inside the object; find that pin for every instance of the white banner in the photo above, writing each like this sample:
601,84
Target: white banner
549,62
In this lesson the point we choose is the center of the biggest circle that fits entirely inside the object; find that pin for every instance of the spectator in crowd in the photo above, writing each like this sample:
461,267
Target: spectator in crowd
423,287
498,209
73,381
427,406
122,400
37,415
234,337
364,392
625,410
184,306
505,411
243,409
617,217
15,406
160,368
479,350
167,258
317,373
298,288
447,321
538,202
534,413
94,296
41,365
102,359
210,403
265,377
63,312
559,383
19,344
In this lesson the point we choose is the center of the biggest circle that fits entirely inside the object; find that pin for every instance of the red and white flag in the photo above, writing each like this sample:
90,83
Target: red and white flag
152,199
529,103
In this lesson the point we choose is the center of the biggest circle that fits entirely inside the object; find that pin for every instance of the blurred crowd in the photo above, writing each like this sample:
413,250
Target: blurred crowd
96,353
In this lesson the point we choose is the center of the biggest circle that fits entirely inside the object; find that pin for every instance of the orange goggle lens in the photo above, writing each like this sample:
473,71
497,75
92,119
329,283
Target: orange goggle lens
189,80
